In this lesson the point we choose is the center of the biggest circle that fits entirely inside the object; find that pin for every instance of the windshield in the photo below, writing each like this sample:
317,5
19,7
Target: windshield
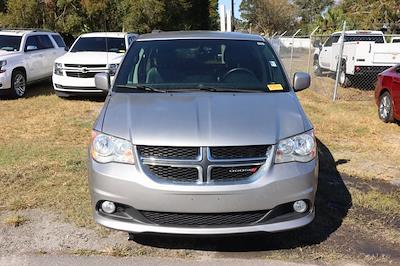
10,43
175,65
99,44
364,38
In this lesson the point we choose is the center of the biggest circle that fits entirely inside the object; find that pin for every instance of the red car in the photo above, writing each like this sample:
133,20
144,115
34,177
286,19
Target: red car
387,94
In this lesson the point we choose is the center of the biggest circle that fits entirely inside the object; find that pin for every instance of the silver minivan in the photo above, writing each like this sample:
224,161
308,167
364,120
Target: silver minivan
202,133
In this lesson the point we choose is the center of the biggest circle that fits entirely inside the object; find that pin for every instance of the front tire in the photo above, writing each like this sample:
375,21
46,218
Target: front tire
317,68
386,108
18,84
344,79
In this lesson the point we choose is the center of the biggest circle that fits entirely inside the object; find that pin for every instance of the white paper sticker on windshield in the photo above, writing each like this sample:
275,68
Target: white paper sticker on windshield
273,63
261,43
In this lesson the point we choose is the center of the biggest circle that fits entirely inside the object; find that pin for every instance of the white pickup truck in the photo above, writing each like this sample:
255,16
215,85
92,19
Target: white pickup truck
27,56
365,54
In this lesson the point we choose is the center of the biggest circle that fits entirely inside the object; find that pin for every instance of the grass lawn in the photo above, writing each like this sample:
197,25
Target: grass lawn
43,142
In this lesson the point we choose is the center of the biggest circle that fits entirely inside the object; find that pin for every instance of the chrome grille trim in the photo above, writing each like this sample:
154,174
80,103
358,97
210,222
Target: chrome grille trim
205,164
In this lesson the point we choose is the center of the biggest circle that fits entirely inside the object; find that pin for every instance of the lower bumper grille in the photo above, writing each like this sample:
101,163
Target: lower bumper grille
81,75
204,219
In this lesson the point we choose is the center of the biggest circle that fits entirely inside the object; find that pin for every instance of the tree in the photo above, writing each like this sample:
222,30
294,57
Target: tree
310,10
268,16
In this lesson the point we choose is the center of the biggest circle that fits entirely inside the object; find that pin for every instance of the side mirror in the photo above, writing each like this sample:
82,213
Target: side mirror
102,81
317,44
31,48
301,81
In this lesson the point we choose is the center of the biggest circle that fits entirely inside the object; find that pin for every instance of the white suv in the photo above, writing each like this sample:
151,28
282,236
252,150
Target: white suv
27,56
90,54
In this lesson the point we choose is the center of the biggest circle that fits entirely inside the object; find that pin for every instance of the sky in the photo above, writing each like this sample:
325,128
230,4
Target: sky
227,4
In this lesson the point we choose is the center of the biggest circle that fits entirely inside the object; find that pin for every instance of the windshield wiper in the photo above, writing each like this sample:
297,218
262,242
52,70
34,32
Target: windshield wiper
141,87
217,89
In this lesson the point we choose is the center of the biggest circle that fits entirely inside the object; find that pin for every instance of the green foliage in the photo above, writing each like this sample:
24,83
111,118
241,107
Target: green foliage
78,16
268,16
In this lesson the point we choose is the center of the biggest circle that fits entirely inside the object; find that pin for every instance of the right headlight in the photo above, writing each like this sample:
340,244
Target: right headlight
58,69
300,148
107,149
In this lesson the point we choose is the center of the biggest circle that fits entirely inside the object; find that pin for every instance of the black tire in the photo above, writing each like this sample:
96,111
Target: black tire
385,110
317,68
344,79
18,84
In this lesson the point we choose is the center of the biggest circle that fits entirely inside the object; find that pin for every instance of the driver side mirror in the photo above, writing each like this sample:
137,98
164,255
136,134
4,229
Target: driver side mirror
102,81
317,44
31,48
301,81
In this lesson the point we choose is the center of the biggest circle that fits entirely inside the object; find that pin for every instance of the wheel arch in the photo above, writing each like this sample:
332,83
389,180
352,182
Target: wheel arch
21,68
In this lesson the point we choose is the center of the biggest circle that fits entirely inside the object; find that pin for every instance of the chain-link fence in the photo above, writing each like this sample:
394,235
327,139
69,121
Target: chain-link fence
340,70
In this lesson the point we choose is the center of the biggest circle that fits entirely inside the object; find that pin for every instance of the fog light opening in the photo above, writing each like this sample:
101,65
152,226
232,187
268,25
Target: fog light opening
300,206
108,207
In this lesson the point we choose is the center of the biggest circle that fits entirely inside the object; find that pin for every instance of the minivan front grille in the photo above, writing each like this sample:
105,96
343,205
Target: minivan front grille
174,174
239,152
204,219
233,173
203,165
174,153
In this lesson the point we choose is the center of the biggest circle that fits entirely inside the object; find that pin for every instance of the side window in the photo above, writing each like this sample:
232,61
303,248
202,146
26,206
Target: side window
31,43
45,42
331,40
60,42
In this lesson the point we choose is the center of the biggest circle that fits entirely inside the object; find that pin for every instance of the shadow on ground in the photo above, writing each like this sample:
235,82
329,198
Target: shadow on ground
333,201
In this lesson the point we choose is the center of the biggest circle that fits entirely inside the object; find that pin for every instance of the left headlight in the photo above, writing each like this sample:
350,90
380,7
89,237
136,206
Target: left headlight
58,69
106,149
300,148
2,64
113,69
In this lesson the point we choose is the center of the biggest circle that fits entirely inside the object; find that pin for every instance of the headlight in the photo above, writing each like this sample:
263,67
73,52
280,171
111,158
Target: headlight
2,64
113,69
58,69
300,148
106,149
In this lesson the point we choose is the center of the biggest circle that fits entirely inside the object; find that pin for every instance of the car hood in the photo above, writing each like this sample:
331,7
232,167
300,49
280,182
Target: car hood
5,54
204,119
88,58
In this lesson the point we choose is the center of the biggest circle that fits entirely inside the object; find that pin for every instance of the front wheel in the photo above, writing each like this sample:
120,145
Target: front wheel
344,79
317,68
386,108
18,84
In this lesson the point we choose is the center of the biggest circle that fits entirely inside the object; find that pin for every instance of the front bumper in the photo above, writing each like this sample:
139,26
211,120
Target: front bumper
275,185
71,85
5,80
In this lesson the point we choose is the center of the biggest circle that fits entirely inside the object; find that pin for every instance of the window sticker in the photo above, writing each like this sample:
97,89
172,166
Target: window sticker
273,63
275,87
261,43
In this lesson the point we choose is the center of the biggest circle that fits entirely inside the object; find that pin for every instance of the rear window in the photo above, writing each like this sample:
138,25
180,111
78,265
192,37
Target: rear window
99,44
364,38
60,42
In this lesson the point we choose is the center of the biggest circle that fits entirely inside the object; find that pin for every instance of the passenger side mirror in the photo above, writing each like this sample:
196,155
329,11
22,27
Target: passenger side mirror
102,81
301,81
31,48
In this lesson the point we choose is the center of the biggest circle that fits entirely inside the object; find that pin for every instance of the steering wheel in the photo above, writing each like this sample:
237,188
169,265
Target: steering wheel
237,69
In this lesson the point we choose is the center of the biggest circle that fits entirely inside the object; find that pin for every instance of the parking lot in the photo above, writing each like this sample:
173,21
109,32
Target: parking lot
45,205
